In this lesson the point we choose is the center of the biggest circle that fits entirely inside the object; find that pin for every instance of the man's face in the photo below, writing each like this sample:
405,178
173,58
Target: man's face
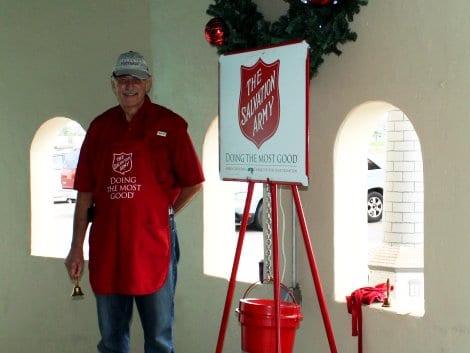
130,92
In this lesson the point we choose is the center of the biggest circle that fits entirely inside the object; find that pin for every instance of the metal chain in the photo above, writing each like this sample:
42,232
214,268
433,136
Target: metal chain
268,240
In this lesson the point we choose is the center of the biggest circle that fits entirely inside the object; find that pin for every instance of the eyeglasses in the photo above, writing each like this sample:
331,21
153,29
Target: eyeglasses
127,80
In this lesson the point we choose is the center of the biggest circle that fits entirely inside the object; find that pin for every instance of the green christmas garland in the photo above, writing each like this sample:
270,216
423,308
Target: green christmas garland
323,27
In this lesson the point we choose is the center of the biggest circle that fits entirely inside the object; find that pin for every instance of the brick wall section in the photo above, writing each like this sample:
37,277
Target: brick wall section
403,197
400,257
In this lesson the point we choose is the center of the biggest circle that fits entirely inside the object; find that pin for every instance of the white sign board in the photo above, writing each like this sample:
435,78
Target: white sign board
263,114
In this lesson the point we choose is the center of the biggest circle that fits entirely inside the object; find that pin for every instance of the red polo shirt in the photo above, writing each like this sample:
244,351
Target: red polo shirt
135,171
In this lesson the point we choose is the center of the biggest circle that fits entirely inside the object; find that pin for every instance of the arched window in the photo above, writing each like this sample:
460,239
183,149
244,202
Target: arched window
399,256
53,157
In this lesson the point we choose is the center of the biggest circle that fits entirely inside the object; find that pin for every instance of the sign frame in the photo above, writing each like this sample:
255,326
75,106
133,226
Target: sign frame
264,114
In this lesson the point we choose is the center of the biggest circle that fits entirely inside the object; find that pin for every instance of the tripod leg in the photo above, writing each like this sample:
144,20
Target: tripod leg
314,269
233,276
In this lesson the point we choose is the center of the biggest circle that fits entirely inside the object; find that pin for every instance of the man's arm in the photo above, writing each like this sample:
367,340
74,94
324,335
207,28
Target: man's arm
75,260
186,194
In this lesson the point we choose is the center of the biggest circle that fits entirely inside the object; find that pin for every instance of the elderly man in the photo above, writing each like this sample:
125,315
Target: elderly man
137,168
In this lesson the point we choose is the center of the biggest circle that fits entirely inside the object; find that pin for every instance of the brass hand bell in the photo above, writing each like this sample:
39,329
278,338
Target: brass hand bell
77,292
387,300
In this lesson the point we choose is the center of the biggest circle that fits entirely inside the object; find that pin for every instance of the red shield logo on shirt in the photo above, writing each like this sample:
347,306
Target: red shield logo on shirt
122,162
259,105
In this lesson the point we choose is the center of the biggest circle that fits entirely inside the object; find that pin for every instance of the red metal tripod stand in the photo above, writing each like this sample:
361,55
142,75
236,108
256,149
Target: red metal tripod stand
275,245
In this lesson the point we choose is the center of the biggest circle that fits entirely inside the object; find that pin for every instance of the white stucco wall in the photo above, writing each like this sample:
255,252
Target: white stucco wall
56,59
413,55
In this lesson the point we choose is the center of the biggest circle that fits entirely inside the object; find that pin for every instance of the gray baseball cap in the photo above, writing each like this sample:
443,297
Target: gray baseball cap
131,63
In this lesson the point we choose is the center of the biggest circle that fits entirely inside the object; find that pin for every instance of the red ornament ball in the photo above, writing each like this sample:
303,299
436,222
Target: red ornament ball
320,2
215,31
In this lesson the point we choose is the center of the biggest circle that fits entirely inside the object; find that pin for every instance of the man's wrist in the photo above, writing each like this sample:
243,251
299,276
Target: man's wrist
76,247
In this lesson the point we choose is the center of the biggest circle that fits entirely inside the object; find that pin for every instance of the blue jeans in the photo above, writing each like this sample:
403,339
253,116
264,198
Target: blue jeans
156,313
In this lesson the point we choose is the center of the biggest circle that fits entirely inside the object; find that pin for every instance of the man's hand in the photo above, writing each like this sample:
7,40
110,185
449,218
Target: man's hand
75,259
74,263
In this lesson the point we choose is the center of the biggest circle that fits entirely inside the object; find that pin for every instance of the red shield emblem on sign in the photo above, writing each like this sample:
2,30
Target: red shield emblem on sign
259,105
122,162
